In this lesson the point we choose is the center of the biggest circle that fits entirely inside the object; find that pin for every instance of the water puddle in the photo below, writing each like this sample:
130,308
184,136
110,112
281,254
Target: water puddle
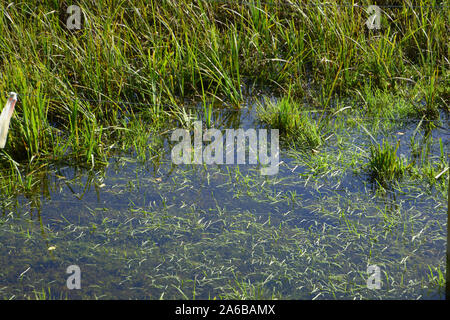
157,230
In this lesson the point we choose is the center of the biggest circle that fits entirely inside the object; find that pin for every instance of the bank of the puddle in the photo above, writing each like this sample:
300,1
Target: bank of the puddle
158,230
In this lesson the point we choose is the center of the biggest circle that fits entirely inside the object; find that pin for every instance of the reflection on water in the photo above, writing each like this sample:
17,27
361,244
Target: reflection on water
156,230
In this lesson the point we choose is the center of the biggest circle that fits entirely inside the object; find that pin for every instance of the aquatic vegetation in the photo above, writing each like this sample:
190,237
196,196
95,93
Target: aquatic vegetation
296,126
86,168
209,50
384,164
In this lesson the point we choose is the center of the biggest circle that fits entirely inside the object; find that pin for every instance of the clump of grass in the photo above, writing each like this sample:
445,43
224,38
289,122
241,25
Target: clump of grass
428,105
295,126
384,165
436,278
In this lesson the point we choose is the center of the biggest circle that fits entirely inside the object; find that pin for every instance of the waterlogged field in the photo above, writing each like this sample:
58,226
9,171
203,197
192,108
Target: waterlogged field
156,230
87,177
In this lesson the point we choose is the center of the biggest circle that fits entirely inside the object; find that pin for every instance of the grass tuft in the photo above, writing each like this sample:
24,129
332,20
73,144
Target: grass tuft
384,165
296,126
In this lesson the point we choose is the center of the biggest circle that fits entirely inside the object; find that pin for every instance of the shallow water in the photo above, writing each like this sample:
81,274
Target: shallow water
156,230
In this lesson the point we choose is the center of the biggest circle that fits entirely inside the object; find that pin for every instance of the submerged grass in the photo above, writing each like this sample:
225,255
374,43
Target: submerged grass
155,53
151,240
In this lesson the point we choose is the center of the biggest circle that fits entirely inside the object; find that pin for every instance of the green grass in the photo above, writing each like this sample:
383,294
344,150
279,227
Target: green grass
296,126
384,165
183,245
155,53
132,73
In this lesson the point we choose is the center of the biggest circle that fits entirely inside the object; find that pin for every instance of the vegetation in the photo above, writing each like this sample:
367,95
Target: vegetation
96,105
155,53
384,164
296,127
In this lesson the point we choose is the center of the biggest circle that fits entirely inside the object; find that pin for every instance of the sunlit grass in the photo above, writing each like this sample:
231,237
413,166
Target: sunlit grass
151,54
385,165
296,126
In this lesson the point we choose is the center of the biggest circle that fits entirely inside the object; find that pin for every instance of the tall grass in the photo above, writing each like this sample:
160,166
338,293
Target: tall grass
150,54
